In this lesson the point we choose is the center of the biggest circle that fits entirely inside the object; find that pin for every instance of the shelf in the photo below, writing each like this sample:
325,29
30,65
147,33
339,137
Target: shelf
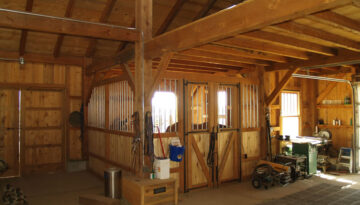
334,106
335,126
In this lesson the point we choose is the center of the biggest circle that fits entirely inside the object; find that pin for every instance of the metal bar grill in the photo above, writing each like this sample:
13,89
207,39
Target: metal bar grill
250,106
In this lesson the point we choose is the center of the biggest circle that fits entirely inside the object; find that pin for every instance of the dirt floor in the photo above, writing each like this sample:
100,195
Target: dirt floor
64,188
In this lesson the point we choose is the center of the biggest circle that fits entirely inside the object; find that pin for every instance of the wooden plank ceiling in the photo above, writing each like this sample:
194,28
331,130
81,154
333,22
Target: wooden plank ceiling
324,38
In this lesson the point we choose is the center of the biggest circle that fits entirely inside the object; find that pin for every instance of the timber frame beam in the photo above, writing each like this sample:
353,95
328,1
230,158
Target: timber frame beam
328,89
163,65
284,81
258,14
51,24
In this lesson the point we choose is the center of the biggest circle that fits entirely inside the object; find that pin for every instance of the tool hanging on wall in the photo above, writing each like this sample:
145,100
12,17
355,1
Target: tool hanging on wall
268,133
149,136
162,147
136,142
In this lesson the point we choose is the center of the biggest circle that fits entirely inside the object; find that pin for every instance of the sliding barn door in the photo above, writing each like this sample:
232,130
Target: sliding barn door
43,131
227,121
9,131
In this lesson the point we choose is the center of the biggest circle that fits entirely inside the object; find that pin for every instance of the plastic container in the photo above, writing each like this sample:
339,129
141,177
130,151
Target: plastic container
176,153
162,168
112,178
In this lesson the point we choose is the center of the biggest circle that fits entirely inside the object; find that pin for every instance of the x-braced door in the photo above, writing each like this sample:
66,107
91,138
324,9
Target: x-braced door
227,123
212,125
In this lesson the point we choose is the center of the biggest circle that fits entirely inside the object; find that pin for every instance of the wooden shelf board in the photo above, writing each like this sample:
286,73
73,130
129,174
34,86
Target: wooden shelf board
335,126
334,106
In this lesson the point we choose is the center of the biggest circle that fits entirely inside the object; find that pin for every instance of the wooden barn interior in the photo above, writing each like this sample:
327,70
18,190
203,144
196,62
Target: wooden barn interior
253,101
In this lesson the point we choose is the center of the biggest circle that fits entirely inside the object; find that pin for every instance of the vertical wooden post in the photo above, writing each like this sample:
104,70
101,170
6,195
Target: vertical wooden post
143,16
263,135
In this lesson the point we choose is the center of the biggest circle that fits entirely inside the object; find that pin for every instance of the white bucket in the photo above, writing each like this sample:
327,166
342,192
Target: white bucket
162,168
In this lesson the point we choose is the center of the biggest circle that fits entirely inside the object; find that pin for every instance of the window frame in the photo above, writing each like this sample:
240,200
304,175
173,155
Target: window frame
298,108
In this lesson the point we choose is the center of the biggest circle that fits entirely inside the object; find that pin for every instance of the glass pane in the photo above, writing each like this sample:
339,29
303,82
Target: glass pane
164,111
290,126
289,104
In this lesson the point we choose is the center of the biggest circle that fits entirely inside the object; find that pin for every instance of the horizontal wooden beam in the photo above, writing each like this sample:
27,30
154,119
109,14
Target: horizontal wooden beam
263,47
51,24
211,54
241,52
43,58
290,42
337,21
343,57
242,18
300,29
211,60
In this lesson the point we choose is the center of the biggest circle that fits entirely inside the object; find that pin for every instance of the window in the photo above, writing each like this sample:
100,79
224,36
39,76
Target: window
290,114
199,106
224,106
164,111
165,106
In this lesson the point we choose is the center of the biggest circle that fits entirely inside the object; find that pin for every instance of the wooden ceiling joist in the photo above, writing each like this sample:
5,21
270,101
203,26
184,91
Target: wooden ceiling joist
320,34
240,42
50,24
290,42
211,60
22,46
231,21
343,57
241,52
60,38
209,54
336,20
103,18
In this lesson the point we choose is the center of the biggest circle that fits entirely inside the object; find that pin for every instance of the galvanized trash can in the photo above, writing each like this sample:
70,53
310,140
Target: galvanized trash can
112,178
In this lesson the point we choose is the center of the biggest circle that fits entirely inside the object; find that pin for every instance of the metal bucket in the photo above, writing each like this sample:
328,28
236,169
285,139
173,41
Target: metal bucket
112,178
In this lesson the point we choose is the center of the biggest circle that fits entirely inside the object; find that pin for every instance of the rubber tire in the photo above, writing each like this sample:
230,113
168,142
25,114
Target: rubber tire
256,182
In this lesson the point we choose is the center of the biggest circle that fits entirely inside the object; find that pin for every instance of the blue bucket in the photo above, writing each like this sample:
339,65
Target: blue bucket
176,153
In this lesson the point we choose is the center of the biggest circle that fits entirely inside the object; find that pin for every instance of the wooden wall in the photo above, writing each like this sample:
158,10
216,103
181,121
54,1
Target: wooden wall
49,93
311,111
112,148
341,135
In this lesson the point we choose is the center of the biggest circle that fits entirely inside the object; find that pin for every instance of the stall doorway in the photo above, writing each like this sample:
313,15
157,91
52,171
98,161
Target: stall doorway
211,133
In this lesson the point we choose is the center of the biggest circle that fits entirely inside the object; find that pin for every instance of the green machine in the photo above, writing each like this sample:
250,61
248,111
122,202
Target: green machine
310,151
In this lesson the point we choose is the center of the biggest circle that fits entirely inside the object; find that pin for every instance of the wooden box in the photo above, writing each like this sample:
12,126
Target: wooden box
146,191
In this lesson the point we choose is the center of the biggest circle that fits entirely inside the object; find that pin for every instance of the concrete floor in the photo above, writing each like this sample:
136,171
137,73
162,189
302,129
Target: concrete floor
64,188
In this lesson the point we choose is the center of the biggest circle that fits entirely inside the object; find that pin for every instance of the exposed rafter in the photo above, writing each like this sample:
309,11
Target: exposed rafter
205,10
320,34
170,17
258,14
336,20
51,24
60,38
343,57
290,42
103,18
29,6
